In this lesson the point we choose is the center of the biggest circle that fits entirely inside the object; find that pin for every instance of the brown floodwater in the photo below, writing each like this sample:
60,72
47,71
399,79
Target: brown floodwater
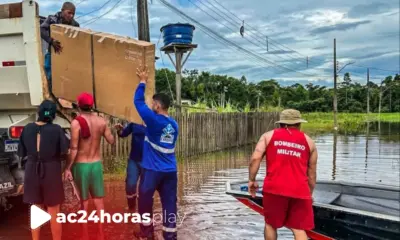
208,213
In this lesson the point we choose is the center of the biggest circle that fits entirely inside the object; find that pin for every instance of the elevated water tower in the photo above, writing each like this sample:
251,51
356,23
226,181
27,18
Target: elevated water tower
178,40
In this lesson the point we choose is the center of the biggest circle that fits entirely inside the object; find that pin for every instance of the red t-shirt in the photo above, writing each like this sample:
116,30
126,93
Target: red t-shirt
287,156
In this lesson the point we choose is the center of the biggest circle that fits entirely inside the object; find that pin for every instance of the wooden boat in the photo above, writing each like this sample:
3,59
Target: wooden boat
342,210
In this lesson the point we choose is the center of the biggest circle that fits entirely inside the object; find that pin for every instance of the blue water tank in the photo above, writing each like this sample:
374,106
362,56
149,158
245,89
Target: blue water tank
177,33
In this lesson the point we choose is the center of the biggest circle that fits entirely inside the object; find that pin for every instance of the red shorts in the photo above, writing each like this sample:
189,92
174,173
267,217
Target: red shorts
281,211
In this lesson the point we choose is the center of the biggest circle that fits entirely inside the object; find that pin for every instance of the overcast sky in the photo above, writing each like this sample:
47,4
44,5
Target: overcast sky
367,32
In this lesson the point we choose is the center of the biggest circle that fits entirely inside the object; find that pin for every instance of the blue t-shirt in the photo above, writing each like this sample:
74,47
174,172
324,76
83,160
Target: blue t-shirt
137,132
160,136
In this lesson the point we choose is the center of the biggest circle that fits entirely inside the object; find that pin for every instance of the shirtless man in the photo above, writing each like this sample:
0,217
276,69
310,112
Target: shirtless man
85,160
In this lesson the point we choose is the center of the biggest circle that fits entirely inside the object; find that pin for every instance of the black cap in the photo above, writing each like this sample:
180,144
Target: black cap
47,111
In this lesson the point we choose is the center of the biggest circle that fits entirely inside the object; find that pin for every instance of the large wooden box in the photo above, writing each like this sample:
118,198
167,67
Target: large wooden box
116,61
104,65
72,69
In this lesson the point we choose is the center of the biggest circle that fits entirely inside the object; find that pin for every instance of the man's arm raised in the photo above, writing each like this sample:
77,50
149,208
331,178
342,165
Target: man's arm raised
148,116
312,165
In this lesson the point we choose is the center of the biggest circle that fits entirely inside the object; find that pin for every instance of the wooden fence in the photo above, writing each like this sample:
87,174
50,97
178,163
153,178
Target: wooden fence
201,133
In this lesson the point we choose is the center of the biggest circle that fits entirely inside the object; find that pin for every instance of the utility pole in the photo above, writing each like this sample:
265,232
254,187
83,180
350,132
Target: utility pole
367,90
380,100
279,102
143,20
334,87
178,78
223,101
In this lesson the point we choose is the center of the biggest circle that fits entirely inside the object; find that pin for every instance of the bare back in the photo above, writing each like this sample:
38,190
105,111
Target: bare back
89,148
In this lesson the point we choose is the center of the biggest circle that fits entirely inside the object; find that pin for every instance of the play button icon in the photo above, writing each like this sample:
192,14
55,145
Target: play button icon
38,217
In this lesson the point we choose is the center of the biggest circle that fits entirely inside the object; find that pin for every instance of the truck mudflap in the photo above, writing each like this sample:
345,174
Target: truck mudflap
7,183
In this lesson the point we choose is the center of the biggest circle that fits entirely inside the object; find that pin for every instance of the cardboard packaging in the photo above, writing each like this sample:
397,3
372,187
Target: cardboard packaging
116,61
104,65
72,69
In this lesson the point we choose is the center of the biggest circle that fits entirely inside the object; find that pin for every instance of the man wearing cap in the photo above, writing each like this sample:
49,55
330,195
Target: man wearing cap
291,162
65,16
87,129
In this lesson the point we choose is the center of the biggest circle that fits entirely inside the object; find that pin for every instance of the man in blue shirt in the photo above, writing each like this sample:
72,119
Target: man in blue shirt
159,170
134,161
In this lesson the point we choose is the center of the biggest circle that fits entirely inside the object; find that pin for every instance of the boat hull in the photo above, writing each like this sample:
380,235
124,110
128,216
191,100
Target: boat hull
346,225
333,224
256,205
338,222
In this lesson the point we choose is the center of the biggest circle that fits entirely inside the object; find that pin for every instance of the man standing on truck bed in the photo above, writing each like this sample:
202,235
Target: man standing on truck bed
159,161
87,129
291,176
65,16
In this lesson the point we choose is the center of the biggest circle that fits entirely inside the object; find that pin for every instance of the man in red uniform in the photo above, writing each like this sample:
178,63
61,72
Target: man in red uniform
291,158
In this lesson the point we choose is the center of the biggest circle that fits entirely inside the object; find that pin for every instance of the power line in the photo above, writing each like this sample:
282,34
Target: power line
90,21
80,2
379,69
221,41
208,30
262,46
263,39
133,22
270,62
273,42
233,30
96,10
282,44
235,46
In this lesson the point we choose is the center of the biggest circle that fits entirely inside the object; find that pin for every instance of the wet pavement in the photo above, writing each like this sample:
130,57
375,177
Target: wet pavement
208,213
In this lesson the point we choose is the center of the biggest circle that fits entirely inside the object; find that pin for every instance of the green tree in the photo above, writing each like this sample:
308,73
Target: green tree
352,96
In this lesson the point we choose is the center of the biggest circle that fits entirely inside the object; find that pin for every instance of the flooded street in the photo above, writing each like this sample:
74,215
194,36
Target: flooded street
208,213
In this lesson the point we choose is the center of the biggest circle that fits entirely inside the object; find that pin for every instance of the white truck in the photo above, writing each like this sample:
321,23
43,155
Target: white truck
21,89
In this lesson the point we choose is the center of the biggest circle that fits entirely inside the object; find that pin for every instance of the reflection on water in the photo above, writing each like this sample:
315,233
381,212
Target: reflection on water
209,213
371,157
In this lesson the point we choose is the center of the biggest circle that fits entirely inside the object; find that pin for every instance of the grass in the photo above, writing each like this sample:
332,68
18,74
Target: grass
351,122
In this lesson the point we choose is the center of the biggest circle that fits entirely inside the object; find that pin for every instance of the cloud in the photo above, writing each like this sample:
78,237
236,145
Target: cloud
320,47
307,27
394,13
368,9
281,52
338,27
375,54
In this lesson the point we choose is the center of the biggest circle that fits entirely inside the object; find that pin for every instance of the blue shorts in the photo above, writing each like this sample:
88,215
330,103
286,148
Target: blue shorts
47,68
